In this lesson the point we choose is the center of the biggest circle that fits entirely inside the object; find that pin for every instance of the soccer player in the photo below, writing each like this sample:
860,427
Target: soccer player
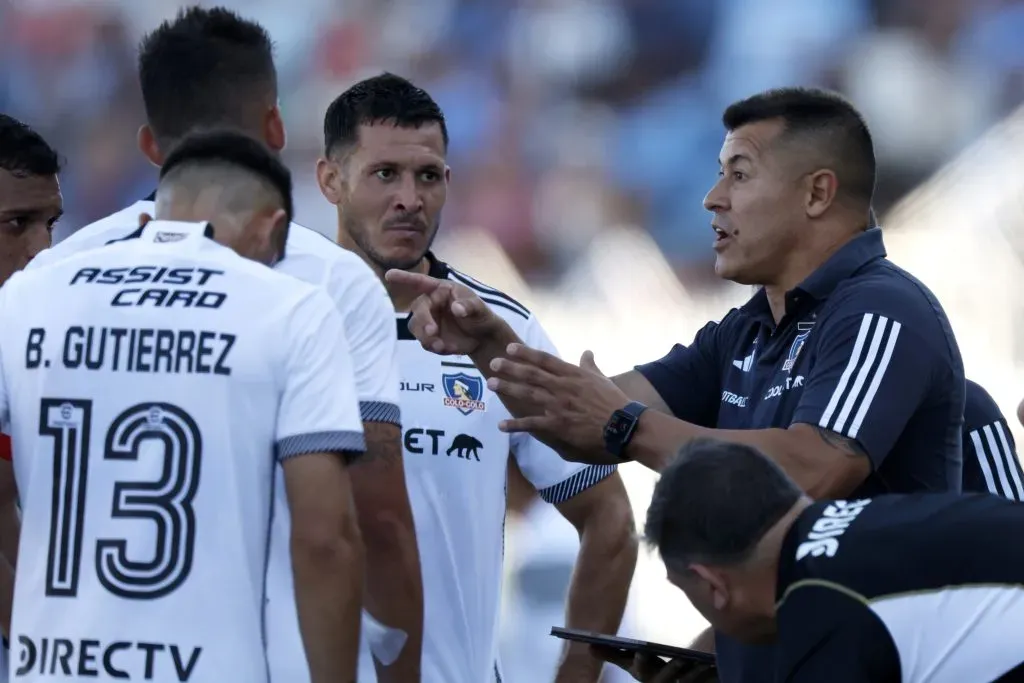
892,588
30,199
150,411
384,168
209,68
842,368
30,205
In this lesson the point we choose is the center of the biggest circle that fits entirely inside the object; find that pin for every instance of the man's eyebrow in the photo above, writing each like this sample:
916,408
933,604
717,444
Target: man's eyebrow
16,210
733,159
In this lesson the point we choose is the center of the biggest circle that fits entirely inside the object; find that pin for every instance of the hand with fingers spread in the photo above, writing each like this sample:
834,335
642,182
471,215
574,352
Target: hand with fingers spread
447,318
570,405
652,669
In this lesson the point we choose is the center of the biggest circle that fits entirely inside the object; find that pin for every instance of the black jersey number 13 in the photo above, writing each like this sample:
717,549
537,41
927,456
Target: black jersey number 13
165,503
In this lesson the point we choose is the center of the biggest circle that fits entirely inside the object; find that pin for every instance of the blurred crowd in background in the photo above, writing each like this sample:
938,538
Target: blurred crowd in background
566,116
584,135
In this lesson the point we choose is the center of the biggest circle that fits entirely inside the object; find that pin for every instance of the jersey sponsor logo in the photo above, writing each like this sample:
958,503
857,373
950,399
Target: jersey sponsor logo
417,386
734,399
465,446
804,331
168,295
824,536
90,658
463,392
747,362
144,274
435,441
779,389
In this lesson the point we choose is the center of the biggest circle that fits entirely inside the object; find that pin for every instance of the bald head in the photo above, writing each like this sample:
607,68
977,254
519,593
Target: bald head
234,183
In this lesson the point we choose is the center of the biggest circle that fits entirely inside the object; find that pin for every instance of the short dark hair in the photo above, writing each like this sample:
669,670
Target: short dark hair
715,503
205,68
839,131
235,149
24,152
386,97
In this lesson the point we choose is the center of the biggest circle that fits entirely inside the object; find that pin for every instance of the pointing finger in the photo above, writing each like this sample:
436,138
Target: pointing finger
422,323
417,283
533,423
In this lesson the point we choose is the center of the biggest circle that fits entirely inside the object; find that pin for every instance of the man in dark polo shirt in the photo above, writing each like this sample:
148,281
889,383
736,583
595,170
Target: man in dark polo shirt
919,587
842,368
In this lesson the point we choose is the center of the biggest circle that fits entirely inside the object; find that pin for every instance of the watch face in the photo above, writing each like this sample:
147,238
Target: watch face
619,425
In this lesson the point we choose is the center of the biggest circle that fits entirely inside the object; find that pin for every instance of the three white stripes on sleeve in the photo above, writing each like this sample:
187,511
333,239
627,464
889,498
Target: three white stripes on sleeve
864,373
859,383
994,452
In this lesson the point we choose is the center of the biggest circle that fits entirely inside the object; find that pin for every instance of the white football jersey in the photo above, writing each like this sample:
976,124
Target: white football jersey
456,463
370,333
357,293
151,388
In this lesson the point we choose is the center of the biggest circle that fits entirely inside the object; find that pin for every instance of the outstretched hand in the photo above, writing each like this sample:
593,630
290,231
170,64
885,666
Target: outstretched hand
569,405
447,318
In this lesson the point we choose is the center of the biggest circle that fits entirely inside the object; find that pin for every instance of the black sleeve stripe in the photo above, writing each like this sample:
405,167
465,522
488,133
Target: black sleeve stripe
998,462
321,442
483,289
505,304
380,411
576,484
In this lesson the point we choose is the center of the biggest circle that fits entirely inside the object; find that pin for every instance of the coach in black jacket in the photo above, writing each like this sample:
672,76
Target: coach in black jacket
898,587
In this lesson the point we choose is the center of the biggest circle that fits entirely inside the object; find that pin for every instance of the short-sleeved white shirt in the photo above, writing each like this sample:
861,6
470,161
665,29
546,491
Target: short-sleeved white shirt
151,386
456,462
369,336
456,468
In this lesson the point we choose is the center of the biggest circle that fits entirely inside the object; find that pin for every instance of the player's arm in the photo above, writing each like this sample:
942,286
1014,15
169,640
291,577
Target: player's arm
394,588
868,380
316,440
604,568
990,454
685,383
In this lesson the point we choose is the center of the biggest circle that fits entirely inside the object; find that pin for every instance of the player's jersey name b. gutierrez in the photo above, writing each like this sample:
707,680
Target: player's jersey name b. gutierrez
139,350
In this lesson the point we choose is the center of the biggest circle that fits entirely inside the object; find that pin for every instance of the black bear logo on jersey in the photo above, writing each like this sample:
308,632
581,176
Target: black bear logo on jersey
465,446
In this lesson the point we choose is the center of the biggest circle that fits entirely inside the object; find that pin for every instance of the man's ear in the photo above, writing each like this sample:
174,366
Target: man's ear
273,129
148,146
329,178
821,192
715,582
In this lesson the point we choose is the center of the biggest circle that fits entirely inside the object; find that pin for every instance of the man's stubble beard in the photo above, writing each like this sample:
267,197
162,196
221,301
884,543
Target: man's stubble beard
355,230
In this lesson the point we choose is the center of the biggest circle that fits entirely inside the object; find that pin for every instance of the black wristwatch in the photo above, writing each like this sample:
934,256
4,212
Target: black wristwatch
619,430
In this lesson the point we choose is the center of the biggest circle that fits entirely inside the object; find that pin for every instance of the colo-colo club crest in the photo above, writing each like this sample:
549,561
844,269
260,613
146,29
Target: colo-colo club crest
463,392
